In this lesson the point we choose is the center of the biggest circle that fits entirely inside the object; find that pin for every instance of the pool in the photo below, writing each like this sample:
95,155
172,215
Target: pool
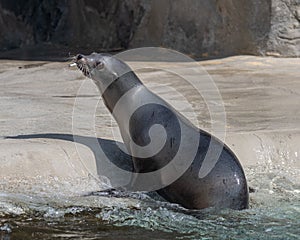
55,208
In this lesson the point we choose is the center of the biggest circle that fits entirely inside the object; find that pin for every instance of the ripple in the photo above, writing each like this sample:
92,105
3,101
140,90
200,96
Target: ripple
59,208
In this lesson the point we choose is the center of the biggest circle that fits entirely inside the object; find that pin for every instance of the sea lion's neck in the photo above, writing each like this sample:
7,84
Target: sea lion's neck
118,88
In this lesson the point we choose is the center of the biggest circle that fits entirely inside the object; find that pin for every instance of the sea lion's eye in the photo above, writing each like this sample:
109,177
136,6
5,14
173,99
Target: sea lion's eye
99,64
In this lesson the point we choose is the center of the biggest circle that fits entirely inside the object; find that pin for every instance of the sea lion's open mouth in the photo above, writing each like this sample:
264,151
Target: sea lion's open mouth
81,63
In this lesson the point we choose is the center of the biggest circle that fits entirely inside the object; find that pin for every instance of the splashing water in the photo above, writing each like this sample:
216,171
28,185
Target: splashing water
59,208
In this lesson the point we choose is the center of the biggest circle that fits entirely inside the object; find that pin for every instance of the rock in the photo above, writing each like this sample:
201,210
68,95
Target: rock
13,33
199,28
297,13
284,35
48,106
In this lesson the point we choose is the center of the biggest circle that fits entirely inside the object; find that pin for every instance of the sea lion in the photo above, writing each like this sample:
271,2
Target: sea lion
168,151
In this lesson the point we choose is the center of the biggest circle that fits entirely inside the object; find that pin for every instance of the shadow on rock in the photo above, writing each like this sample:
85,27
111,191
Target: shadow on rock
108,154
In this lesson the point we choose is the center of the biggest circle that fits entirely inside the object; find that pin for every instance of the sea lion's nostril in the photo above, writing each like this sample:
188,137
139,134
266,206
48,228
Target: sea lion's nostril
79,56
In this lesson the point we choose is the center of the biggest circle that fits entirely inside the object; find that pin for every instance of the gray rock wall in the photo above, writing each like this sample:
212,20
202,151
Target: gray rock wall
200,28
205,27
284,35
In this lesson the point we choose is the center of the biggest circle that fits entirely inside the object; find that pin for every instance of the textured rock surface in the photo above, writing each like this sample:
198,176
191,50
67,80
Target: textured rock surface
261,98
284,36
200,28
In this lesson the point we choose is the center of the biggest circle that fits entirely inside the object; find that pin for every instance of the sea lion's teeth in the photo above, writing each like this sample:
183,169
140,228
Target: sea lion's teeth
83,68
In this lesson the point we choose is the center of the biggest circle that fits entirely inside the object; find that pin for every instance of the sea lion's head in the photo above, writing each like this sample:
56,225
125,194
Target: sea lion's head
103,69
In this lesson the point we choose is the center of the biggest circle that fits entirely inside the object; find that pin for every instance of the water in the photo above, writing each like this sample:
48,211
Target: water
54,208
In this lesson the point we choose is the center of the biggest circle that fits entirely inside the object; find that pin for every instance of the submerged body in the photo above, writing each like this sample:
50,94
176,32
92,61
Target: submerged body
155,134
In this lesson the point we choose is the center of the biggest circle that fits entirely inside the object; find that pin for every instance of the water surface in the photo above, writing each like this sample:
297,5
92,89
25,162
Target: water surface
55,208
